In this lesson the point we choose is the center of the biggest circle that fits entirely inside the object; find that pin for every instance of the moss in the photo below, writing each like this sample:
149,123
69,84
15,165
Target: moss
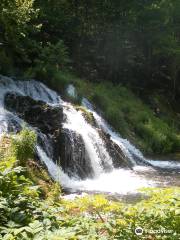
87,115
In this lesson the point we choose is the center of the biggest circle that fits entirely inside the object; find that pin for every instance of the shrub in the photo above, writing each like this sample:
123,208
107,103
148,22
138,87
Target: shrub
117,220
23,145
55,55
100,101
24,214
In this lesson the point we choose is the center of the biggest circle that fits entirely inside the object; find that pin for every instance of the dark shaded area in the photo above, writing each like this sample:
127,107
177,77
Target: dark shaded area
74,157
37,113
134,43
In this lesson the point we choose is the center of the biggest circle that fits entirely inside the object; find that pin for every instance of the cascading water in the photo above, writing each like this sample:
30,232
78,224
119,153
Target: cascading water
88,154
94,144
130,150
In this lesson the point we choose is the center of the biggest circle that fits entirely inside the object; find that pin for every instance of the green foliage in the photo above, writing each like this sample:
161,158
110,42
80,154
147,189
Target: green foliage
5,62
116,220
59,81
130,42
23,145
55,55
24,214
133,42
17,28
52,58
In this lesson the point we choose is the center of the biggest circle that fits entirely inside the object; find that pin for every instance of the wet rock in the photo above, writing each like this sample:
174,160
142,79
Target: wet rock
87,115
74,158
116,153
37,113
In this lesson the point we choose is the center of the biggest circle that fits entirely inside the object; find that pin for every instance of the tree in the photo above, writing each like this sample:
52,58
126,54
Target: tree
17,30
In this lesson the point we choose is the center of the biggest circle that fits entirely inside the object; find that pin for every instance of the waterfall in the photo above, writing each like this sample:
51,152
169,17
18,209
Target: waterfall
94,144
130,151
84,160
133,154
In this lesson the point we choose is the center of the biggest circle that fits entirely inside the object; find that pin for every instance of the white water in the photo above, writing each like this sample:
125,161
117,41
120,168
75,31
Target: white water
117,180
94,144
165,164
71,91
127,147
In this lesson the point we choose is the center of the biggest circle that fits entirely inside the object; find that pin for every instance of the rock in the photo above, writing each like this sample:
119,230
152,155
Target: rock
45,118
116,153
74,158
87,115
37,113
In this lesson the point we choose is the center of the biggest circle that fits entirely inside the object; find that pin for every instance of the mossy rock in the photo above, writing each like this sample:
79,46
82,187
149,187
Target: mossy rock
87,115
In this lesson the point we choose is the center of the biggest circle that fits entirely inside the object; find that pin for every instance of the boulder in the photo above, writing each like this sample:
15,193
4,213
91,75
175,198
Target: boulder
118,157
74,158
37,113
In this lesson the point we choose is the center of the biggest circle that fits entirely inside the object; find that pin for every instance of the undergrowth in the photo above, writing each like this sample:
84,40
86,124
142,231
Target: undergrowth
32,207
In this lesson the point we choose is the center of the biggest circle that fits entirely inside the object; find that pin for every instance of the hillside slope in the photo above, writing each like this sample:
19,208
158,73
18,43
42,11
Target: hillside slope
151,124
